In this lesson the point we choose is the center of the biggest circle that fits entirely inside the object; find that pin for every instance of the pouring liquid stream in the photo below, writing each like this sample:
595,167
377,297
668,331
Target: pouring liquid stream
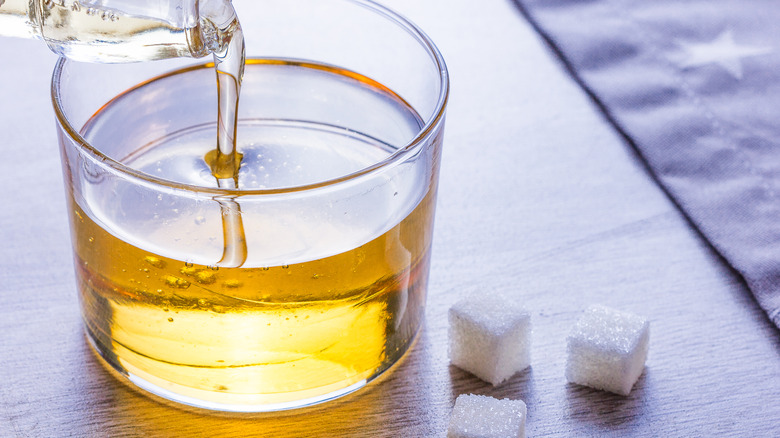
225,160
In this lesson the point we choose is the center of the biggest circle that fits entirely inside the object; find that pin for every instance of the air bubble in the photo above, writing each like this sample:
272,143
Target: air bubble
155,261
233,284
200,220
205,277
178,283
170,319
189,270
203,303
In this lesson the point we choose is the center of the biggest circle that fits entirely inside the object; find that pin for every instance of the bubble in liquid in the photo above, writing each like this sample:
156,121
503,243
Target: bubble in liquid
170,319
199,220
232,283
189,270
205,277
155,261
203,303
176,282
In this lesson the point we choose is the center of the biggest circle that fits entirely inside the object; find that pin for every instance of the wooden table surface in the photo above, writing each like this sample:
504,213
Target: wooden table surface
539,198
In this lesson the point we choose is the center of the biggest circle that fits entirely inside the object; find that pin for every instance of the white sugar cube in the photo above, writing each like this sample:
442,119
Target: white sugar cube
490,337
607,349
480,416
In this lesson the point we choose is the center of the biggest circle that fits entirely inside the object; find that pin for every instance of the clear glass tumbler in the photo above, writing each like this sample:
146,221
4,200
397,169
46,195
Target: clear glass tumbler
340,127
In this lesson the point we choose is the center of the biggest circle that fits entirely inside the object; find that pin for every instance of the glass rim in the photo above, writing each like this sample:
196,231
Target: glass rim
436,118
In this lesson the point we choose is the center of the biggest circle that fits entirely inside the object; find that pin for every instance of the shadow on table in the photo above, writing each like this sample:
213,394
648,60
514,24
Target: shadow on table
606,412
520,386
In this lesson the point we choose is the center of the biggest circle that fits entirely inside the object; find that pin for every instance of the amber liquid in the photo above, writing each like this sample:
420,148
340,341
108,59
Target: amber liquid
255,335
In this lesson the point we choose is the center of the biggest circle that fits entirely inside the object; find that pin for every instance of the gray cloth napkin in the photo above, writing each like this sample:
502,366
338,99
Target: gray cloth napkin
695,87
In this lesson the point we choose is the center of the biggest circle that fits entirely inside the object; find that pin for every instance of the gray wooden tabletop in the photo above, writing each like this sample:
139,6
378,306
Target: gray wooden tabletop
539,198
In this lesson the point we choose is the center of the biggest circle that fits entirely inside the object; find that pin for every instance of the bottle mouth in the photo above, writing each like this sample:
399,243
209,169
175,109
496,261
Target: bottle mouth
429,128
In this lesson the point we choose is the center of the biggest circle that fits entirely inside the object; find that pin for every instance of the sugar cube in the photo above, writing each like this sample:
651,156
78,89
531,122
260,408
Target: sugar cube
489,336
607,349
480,416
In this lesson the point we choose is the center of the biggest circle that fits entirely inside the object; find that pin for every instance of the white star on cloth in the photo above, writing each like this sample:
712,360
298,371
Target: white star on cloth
722,51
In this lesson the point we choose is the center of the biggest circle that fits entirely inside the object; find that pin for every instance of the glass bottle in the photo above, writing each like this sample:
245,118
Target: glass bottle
112,31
